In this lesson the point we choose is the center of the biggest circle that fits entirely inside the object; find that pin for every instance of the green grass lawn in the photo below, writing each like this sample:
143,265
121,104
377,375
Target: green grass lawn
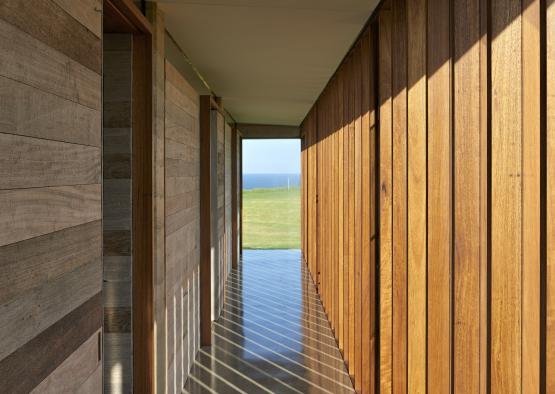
271,219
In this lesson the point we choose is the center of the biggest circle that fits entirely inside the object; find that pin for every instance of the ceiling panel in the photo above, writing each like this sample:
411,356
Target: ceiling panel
267,59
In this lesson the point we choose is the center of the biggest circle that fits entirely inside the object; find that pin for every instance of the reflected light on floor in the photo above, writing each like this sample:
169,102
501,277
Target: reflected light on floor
272,335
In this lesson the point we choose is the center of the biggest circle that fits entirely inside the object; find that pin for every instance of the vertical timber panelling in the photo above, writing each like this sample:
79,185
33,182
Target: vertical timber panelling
368,216
182,222
506,193
346,230
531,134
466,222
417,172
351,281
50,197
399,97
357,216
550,204
439,197
312,172
385,202
342,133
467,197
340,213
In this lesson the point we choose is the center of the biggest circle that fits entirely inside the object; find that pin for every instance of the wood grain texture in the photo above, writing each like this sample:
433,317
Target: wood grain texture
385,203
34,63
399,91
467,196
550,203
346,201
506,191
340,213
31,162
368,217
417,204
484,202
156,18
116,155
357,218
31,363
93,384
47,22
341,133
87,12
531,227
31,112
439,198
74,371
31,312
465,302
182,172
352,113
335,205
29,264
27,213
50,197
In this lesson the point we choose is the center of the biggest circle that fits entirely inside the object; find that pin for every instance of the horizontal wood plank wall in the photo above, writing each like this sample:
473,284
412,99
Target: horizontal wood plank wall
464,281
50,197
182,210
117,211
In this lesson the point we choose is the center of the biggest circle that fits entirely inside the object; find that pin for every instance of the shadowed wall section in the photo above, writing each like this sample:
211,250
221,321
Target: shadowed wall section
117,213
424,185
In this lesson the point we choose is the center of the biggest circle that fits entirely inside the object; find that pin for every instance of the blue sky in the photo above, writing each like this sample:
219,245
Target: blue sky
272,156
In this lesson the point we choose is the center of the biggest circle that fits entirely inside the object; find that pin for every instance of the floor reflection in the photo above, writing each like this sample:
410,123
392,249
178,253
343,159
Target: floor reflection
272,336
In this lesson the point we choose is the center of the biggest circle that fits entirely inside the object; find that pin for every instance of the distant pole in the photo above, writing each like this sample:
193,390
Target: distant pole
288,186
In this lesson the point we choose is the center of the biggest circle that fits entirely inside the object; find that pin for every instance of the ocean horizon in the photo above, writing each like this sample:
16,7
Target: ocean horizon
270,181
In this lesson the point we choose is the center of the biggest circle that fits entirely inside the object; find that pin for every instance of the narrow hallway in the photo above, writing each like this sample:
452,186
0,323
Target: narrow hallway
272,336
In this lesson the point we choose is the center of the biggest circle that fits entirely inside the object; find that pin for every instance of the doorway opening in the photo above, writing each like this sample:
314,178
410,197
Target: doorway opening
127,345
271,194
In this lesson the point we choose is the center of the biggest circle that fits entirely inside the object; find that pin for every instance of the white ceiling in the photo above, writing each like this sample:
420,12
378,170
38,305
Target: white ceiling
268,59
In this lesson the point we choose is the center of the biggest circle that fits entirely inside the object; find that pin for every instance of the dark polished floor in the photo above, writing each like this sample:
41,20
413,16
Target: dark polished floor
272,336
